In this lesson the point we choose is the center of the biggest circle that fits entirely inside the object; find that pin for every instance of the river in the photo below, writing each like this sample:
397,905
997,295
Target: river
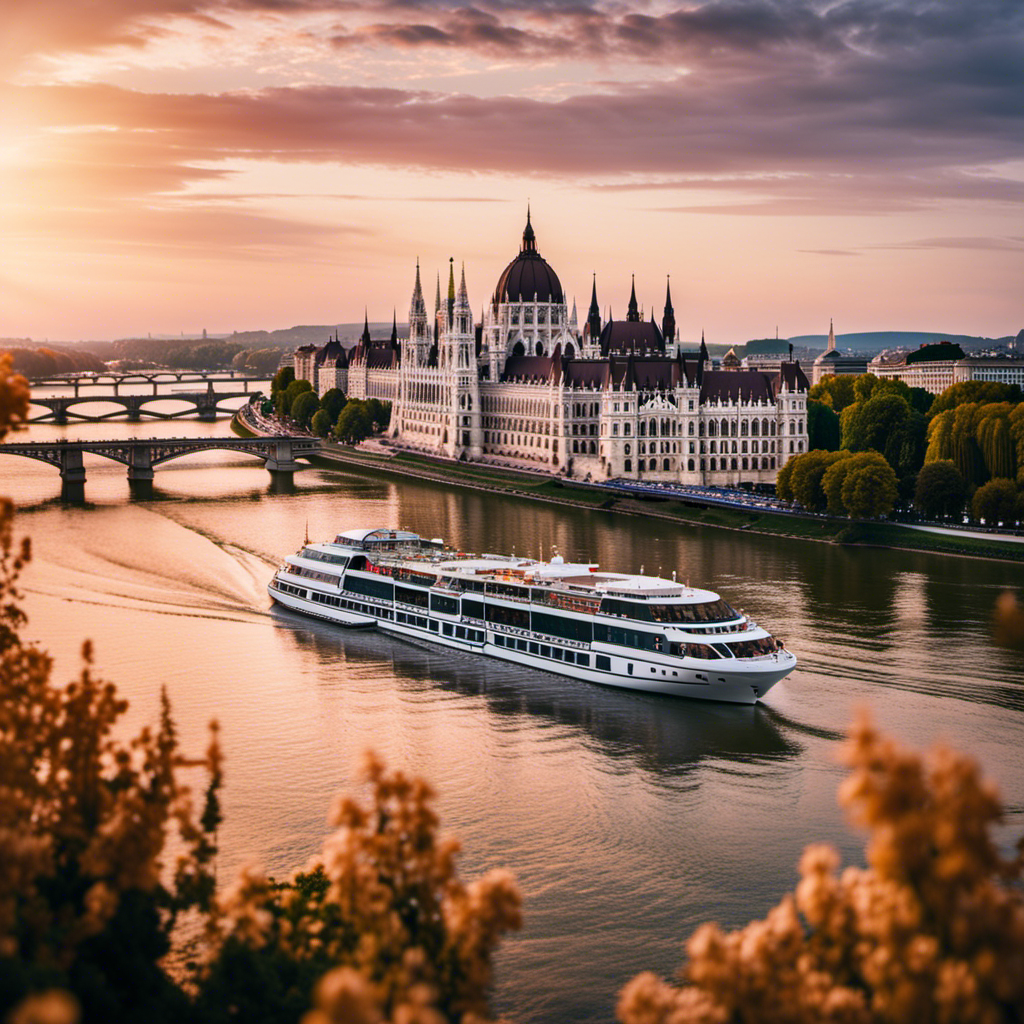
628,819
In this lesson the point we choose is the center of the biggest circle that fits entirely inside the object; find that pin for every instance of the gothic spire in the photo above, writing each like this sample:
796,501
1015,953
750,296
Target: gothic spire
394,328
633,315
463,296
451,287
417,307
365,339
831,336
529,238
668,321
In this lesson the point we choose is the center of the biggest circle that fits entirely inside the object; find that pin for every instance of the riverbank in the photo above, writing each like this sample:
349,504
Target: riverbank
542,487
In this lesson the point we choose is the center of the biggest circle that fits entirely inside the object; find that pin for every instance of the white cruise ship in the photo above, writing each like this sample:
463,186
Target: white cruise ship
574,619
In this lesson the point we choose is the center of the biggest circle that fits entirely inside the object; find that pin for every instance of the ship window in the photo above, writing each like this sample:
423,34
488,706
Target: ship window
446,628
472,609
434,626
446,605
545,650
583,659
518,617
626,609
562,626
371,588
410,596
534,648
603,662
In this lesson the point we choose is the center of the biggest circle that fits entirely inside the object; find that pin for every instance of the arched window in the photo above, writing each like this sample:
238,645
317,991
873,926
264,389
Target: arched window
626,429
654,428
734,451
724,426
689,465
799,446
755,427
593,448
627,466
714,447
743,428
539,348
640,466
792,426
627,449
575,447
518,350
733,463
744,463
615,430
743,447
664,465
773,428
643,429
790,447
712,428
714,464
690,431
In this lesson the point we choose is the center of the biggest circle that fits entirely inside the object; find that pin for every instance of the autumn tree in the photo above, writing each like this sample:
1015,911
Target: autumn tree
868,487
382,908
929,931
354,423
975,391
940,491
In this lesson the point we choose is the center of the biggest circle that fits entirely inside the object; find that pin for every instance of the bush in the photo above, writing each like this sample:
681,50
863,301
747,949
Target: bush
930,930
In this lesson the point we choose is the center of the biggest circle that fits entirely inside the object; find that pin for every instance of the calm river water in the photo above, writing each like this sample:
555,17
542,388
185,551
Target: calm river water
628,819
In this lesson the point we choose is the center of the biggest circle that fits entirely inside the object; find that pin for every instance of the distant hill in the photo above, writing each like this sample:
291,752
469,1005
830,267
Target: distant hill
311,334
875,341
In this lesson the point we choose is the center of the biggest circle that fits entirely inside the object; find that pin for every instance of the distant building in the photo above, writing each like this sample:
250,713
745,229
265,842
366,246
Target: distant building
832,362
526,386
939,366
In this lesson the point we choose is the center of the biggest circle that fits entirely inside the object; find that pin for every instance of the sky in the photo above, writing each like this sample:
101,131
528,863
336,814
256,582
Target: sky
171,166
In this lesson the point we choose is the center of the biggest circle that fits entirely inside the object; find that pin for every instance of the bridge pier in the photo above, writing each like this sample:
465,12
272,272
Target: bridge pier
72,475
282,465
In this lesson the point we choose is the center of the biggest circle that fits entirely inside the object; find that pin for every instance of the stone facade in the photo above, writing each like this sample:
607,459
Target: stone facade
615,400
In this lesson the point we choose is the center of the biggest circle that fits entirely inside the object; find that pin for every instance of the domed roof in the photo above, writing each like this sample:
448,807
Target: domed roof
528,275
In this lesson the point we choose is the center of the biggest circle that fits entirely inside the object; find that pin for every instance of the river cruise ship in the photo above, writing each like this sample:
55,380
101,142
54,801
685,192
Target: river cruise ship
574,619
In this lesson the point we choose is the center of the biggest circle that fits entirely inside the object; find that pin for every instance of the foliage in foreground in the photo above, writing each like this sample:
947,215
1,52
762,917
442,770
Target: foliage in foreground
932,930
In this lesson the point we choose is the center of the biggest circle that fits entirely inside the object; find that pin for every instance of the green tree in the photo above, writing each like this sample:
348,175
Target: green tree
835,391
870,487
832,485
354,423
996,502
321,423
290,393
885,422
940,491
304,406
379,413
283,378
333,401
921,400
807,474
823,431
975,391
994,435
783,481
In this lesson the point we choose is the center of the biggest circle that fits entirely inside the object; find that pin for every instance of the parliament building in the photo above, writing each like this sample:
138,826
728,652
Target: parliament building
528,386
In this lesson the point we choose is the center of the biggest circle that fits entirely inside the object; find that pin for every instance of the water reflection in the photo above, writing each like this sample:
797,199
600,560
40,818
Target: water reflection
661,734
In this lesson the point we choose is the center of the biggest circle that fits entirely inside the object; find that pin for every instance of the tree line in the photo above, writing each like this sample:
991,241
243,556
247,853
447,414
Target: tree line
960,450
334,415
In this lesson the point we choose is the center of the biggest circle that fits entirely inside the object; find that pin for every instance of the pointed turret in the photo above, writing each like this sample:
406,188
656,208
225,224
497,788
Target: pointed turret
394,328
417,307
451,288
365,338
573,322
668,321
594,314
703,359
437,299
463,296
831,337
633,314
529,238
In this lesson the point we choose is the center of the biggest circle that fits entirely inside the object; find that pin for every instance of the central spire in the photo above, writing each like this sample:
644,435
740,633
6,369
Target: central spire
529,238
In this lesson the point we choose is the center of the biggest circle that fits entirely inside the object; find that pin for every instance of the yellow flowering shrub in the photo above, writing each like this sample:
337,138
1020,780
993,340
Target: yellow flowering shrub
381,913
930,932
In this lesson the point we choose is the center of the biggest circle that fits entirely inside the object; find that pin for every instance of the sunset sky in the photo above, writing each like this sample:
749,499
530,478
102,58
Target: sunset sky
174,165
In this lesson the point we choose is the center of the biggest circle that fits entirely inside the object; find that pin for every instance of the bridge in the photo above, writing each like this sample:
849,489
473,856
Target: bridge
140,455
206,403
154,377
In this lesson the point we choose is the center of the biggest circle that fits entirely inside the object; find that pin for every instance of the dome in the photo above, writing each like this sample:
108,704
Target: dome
528,275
